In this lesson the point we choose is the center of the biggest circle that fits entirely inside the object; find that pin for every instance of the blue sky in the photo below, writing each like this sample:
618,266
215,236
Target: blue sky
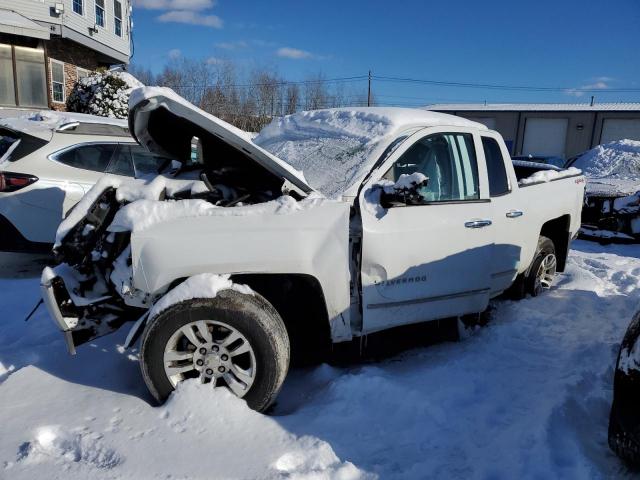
561,43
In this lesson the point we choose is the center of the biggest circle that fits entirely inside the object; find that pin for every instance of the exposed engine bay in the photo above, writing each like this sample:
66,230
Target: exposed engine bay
95,260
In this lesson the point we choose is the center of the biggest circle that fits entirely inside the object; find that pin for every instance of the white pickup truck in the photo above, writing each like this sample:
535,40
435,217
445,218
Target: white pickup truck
328,225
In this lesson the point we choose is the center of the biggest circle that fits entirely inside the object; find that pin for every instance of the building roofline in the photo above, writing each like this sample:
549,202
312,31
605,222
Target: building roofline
113,55
15,23
536,107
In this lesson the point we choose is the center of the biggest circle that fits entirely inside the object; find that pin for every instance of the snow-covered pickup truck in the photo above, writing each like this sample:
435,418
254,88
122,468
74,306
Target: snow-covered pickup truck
328,225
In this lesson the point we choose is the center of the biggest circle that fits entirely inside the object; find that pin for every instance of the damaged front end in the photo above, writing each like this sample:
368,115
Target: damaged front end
91,292
607,217
79,293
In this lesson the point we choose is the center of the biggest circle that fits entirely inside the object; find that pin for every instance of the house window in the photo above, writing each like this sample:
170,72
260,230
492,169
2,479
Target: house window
78,6
117,13
7,90
30,77
100,13
57,81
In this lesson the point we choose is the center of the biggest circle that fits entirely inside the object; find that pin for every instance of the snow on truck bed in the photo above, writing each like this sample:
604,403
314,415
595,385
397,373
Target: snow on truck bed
526,397
335,148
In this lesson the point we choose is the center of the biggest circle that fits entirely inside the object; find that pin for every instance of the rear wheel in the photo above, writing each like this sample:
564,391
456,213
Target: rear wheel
234,340
541,274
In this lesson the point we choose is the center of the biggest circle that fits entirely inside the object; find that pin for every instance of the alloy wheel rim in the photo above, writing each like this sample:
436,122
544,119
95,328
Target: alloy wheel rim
212,351
546,272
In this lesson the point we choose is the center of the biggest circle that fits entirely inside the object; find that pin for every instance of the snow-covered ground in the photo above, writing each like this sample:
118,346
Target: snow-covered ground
527,396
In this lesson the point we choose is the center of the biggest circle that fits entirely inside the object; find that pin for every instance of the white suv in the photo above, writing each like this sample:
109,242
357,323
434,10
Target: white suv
48,163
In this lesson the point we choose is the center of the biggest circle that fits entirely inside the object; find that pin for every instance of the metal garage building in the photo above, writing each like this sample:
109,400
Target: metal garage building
559,129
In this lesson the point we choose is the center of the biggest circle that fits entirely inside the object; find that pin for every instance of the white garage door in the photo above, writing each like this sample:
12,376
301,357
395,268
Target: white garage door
545,136
618,129
489,122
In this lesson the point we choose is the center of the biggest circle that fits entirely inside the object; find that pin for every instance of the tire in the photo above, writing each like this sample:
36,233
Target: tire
624,420
545,257
250,316
624,446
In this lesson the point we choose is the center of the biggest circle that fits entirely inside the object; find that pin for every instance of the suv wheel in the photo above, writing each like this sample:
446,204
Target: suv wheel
234,340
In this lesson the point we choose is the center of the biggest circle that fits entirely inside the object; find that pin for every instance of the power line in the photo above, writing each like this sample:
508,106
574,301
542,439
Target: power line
279,83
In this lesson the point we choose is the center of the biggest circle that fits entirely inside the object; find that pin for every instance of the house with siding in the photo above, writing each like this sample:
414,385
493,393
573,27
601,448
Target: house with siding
47,45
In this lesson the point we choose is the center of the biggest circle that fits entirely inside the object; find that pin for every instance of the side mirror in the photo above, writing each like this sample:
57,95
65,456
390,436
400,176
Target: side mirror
404,192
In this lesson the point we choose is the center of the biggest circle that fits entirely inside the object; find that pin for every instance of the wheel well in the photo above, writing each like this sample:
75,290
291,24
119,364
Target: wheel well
557,230
300,302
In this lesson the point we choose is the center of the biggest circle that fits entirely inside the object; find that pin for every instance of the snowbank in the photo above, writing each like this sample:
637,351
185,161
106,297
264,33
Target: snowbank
336,148
549,175
526,397
204,285
619,160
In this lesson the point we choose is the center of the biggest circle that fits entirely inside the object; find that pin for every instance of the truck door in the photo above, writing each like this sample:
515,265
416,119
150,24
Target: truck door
513,228
430,259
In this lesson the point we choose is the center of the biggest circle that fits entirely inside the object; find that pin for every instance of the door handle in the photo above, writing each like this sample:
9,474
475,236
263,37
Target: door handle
514,213
477,223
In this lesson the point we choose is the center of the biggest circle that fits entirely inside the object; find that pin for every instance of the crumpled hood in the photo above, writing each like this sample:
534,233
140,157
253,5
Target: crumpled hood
165,123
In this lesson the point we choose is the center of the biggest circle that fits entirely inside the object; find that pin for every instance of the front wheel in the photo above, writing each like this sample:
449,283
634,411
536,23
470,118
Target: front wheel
542,272
234,340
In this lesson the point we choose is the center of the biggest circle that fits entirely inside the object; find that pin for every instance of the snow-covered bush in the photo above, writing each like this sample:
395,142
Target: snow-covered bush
103,93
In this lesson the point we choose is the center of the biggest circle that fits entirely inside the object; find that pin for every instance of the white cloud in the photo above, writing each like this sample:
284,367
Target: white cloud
214,61
192,18
600,83
174,53
237,45
293,53
175,4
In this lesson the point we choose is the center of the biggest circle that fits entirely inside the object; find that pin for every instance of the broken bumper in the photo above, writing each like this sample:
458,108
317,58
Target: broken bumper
53,290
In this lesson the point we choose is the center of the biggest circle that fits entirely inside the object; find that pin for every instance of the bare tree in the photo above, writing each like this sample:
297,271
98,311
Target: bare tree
292,99
315,92
145,75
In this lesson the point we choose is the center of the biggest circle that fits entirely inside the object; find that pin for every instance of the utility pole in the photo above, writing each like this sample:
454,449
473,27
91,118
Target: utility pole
369,91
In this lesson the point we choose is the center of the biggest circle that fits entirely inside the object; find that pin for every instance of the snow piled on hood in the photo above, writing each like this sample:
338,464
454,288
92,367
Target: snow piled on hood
336,148
204,285
144,214
619,160
151,188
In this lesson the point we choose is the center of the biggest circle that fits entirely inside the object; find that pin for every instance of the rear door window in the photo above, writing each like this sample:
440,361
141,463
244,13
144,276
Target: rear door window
498,180
145,162
94,157
7,140
121,162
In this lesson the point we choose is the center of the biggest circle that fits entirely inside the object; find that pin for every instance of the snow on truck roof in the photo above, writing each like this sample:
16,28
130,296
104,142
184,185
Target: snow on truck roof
336,148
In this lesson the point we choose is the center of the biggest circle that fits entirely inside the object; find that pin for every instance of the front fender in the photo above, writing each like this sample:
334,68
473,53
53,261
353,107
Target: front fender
312,241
